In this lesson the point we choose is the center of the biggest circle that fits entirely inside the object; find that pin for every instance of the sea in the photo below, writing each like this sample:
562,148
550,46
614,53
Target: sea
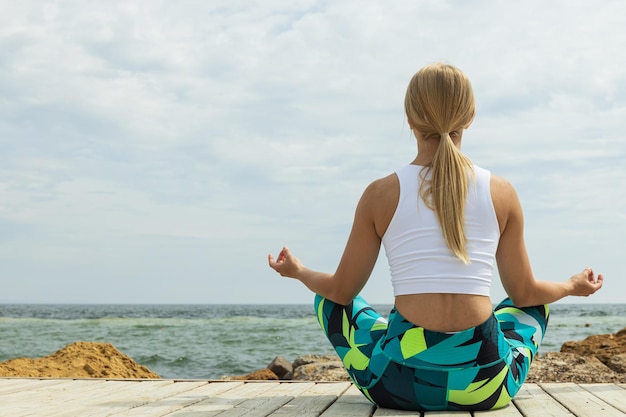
212,341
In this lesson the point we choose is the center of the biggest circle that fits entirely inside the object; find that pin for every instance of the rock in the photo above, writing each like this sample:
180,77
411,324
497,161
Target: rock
307,359
321,372
618,363
602,346
78,360
319,368
281,367
260,375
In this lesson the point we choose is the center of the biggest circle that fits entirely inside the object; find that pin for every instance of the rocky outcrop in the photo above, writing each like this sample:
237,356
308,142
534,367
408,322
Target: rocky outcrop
605,347
597,359
319,368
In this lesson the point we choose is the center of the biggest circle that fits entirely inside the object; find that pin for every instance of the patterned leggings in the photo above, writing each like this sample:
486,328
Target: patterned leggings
398,365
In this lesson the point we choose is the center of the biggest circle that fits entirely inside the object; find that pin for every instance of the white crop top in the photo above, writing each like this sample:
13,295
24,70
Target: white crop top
419,259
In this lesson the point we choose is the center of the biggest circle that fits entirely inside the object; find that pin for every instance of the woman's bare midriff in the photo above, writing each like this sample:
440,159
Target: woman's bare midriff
444,312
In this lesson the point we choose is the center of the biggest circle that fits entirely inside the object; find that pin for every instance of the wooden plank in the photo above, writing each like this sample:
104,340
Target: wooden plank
313,401
146,393
114,396
508,411
105,398
86,400
447,414
44,397
177,402
88,404
225,401
390,412
44,391
91,402
532,401
580,402
352,403
269,402
16,385
610,393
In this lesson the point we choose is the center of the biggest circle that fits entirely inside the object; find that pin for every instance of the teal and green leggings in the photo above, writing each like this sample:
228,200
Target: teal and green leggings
397,364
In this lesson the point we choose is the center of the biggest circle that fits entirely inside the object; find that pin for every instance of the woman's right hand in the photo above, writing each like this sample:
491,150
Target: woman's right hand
285,264
585,283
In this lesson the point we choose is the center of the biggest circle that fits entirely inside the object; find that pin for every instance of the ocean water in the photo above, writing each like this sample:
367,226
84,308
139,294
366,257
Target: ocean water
211,341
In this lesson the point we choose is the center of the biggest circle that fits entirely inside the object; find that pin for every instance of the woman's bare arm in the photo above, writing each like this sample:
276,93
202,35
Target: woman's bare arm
513,263
356,264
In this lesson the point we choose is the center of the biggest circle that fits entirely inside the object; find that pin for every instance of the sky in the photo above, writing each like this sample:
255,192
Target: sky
157,151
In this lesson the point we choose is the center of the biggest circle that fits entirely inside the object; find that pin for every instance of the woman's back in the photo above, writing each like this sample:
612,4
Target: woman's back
433,287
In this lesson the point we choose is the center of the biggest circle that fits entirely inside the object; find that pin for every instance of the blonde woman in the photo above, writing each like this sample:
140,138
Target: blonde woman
443,222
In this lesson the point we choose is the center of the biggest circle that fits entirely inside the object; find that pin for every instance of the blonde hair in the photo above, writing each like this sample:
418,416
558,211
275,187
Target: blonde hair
440,100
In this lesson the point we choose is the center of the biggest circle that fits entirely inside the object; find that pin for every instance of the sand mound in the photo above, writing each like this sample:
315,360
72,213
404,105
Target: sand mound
78,360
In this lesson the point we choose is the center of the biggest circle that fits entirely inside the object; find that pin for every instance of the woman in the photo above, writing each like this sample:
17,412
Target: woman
443,222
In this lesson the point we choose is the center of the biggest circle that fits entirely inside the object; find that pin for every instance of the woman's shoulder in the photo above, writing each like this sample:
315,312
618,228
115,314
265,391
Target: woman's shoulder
501,185
381,198
497,182
385,181
505,200
384,184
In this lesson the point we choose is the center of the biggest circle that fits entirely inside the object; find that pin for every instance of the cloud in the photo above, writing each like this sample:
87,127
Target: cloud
136,137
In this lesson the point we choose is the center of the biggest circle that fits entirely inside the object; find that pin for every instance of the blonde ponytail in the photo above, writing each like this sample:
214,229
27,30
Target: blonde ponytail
440,100
446,191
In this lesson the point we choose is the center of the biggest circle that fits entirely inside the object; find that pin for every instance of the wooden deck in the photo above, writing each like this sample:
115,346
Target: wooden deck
98,397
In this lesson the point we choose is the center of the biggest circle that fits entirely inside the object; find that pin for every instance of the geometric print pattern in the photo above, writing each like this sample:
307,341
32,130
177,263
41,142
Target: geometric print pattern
397,364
